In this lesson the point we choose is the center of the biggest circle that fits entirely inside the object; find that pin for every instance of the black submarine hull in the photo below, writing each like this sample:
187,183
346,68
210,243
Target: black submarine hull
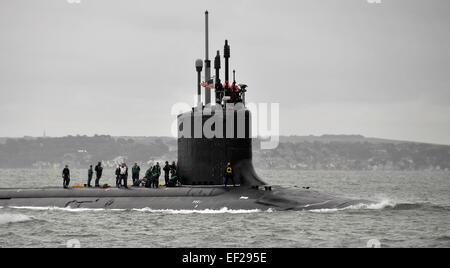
180,198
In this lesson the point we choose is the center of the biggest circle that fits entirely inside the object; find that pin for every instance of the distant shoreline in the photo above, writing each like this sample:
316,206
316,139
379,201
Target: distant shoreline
283,138
327,152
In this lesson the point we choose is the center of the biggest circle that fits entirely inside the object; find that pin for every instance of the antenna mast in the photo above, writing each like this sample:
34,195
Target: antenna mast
207,62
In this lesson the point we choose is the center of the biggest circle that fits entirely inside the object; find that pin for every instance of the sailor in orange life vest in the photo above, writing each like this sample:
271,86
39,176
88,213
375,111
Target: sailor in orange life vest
229,175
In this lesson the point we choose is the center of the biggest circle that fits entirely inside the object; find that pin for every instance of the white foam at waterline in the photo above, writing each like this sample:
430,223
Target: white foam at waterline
13,218
170,211
204,211
375,206
66,209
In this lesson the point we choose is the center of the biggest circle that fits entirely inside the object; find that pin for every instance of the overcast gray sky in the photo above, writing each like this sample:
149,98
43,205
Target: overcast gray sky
117,66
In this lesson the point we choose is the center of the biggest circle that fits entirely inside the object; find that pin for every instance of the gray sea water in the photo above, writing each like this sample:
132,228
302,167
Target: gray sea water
413,210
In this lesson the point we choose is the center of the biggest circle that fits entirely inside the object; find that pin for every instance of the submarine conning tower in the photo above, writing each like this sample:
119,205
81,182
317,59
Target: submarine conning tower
214,134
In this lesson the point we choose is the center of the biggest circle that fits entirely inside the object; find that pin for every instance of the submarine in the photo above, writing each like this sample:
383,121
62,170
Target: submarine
210,135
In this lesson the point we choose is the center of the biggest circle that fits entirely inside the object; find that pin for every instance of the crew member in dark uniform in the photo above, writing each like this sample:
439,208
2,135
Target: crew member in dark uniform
135,174
166,173
229,174
98,173
90,174
118,184
66,177
156,175
148,178
174,180
173,168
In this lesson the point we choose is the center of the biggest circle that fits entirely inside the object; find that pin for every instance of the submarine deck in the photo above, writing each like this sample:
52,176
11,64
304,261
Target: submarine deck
177,198
186,197
55,192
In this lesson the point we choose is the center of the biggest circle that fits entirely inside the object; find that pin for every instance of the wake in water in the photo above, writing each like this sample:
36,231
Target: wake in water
205,211
421,206
14,218
387,205
375,206
382,205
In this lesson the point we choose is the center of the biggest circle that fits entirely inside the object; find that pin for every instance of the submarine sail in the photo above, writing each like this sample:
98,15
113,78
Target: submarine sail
211,136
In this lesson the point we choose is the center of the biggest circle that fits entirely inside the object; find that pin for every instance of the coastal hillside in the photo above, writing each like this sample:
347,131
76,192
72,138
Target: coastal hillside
328,152
352,153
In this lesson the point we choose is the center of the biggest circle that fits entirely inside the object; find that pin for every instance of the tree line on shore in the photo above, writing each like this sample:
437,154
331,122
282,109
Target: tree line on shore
309,153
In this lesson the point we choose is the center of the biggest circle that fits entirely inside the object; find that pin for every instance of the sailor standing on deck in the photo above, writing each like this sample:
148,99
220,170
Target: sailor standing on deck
166,169
148,178
118,176
98,173
173,168
229,174
135,174
124,175
66,177
90,174
156,175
